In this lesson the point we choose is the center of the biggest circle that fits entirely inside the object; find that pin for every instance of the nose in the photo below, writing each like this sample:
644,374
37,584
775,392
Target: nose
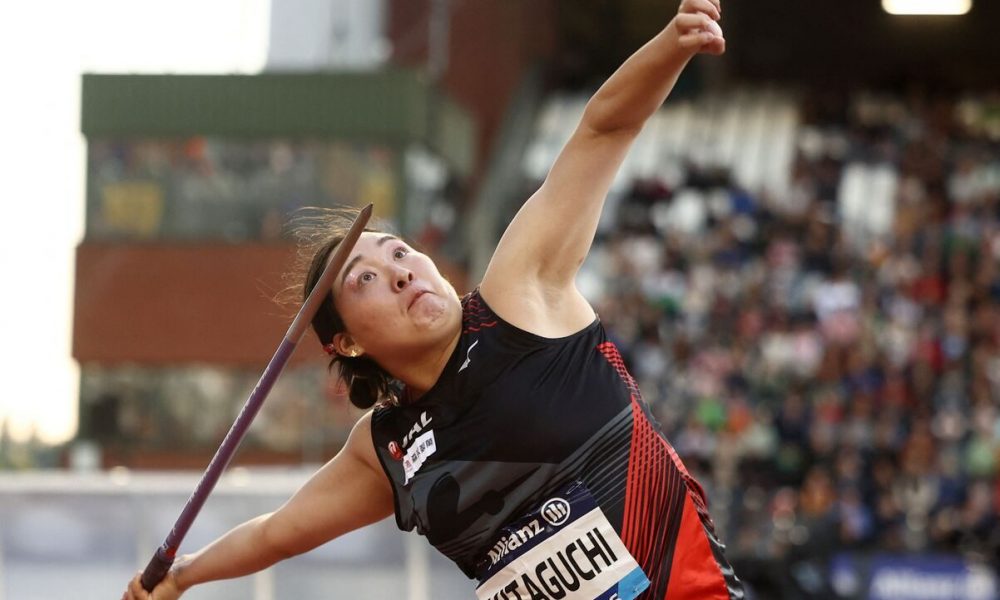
402,278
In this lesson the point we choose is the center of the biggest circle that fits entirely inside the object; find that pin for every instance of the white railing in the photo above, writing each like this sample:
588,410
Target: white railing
68,535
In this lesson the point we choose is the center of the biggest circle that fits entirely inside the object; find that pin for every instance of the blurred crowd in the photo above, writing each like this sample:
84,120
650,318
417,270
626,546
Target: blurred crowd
226,189
827,361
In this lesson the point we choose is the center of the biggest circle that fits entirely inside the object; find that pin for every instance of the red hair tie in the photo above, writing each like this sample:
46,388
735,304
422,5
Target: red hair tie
330,349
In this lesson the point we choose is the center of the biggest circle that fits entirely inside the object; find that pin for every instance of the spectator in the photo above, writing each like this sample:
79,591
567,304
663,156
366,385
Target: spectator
845,387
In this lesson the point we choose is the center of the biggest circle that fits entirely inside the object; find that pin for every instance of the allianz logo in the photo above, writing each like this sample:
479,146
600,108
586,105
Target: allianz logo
555,511
514,540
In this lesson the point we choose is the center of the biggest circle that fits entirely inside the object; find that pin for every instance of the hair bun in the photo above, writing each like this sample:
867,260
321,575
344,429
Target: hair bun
364,392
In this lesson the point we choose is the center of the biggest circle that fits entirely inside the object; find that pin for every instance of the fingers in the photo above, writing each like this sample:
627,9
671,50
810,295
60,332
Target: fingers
135,591
716,47
696,30
711,8
695,40
696,21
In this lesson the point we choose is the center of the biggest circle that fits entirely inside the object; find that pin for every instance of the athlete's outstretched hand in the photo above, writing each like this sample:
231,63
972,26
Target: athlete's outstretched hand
698,28
165,590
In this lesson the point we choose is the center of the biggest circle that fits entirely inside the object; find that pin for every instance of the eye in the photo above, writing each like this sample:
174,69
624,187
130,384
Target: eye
400,252
366,277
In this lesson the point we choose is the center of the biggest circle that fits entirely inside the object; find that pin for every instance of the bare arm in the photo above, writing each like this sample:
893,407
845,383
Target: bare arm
530,280
347,493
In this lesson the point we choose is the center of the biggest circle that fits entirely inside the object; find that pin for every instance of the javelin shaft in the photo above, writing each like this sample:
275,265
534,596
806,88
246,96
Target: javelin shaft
162,560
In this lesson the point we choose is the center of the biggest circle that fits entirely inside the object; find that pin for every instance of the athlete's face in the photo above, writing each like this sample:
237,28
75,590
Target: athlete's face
392,298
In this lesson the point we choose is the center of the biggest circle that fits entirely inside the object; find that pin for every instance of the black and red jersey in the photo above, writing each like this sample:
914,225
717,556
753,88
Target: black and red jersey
513,418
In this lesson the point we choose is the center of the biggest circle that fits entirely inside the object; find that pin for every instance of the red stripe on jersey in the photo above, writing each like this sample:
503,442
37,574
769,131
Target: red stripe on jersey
653,490
610,352
475,315
665,521
652,501
694,574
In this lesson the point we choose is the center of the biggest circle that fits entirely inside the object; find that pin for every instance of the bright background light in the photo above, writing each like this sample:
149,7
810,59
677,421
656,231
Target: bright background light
927,7
44,47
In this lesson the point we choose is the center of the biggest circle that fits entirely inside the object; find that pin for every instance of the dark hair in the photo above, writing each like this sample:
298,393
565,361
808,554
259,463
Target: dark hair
319,232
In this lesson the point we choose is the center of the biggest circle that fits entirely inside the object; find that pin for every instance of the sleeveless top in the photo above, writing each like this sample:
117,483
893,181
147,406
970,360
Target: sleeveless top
513,418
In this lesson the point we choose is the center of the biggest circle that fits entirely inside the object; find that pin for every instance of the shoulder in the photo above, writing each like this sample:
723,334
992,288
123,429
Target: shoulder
544,310
378,419
360,443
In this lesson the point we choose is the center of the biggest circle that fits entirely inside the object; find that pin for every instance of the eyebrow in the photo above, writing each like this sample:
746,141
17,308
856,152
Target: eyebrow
350,265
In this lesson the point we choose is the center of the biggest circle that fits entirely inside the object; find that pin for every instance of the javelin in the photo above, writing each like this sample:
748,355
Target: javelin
161,562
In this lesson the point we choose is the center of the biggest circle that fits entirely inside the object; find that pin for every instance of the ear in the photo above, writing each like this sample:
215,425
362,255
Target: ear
346,346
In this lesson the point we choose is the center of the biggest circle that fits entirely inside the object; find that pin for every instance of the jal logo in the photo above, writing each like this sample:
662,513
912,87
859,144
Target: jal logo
395,450
419,426
555,511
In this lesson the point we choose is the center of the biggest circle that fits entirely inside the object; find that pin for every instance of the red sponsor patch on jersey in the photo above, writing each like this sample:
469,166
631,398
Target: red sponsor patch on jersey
396,451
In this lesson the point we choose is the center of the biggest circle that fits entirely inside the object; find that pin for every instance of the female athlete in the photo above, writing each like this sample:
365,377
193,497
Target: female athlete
518,444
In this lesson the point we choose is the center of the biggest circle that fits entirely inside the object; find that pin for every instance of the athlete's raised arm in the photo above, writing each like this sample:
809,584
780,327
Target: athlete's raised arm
530,279
349,492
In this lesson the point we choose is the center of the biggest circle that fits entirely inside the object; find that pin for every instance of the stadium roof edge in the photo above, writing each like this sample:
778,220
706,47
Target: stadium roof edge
394,106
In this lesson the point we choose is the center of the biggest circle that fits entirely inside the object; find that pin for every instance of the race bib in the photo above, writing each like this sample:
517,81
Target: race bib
564,550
